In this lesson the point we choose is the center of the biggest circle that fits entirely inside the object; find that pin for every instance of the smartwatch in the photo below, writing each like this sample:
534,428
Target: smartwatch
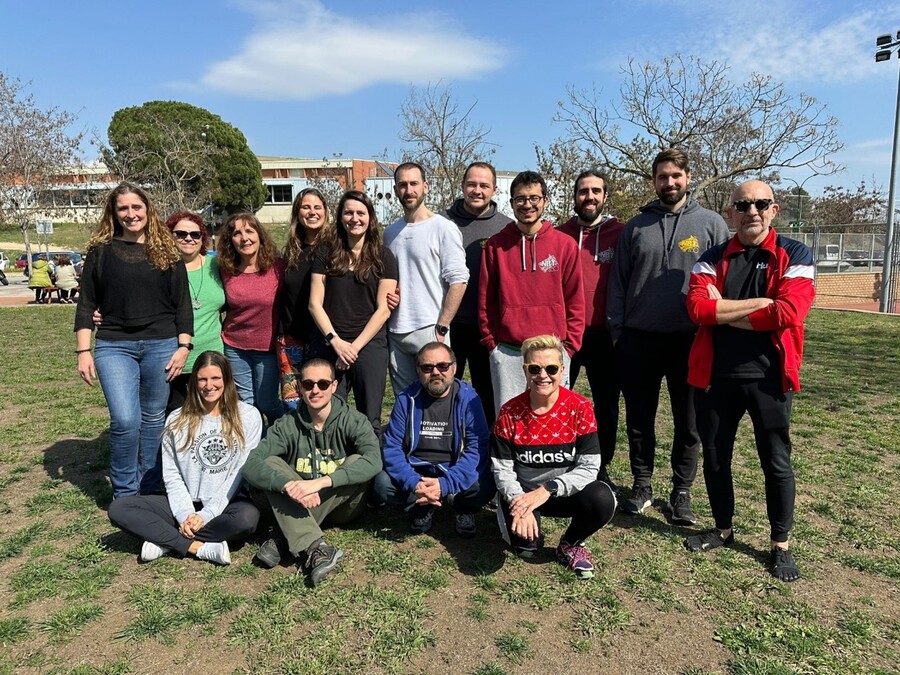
187,345
552,487
329,338
441,330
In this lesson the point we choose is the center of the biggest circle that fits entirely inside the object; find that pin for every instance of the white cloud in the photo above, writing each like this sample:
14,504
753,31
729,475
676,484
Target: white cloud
302,51
798,41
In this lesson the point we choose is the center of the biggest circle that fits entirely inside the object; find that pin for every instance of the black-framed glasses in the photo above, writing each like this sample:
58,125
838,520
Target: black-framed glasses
442,367
535,369
181,234
321,384
531,199
761,204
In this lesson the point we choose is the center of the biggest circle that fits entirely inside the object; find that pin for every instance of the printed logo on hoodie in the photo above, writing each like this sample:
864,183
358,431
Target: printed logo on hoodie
689,245
549,264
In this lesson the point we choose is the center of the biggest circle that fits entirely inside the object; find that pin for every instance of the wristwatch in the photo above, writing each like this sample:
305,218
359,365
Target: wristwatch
441,330
552,487
187,345
329,338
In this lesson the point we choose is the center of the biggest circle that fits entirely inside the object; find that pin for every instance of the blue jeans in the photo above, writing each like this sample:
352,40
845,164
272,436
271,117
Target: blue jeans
258,380
133,377
470,500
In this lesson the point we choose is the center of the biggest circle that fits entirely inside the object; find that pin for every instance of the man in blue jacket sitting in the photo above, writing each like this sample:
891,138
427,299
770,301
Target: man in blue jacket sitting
436,450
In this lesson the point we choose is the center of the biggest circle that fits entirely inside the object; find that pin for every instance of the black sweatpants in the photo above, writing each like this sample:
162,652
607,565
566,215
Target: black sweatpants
465,339
590,509
719,411
598,359
149,518
644,359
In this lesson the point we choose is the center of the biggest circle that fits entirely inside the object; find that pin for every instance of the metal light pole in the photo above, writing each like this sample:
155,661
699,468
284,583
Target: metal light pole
800,197
886,44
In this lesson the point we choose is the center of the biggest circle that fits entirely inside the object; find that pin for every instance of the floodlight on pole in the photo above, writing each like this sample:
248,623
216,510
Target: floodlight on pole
886,45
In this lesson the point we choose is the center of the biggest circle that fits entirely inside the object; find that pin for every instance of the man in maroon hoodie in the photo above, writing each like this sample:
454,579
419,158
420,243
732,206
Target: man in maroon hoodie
530,284
597,235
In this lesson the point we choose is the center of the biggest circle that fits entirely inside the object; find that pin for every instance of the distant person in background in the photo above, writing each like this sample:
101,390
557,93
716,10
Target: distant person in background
252,274
205,444
66,279
309,218
206,290
352,275
42,275
135,275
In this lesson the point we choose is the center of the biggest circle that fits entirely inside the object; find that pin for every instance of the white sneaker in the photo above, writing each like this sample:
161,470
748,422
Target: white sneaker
151,551
215,552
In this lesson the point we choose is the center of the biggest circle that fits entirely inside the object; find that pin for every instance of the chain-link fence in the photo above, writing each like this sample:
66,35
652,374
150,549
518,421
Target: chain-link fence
849,266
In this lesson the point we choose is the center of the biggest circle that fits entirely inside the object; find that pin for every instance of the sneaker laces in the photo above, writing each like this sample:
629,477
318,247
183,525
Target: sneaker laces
576,553
318,553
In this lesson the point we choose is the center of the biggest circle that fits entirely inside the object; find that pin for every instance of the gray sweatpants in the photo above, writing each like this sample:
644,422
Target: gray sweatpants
507,376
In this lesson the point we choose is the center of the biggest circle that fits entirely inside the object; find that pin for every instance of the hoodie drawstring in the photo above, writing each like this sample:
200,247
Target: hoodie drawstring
533,253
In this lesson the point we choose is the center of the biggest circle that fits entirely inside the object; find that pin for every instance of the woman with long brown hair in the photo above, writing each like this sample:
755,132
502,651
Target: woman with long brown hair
352,275
309,219
252,274
134,274
204,447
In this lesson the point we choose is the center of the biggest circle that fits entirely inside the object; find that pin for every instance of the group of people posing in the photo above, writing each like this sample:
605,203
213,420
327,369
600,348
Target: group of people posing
525,305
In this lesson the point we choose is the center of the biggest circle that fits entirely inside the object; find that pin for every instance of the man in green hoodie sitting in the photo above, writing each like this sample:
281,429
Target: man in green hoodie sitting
314,465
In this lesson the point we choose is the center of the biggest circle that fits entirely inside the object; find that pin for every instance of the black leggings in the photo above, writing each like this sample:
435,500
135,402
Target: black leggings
719,411
590,509
148,517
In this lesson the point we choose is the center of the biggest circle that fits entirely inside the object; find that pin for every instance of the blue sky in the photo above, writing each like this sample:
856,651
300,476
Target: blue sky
310,78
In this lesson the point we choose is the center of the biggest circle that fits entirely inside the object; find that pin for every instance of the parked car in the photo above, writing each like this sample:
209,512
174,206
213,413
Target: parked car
860,258
22,260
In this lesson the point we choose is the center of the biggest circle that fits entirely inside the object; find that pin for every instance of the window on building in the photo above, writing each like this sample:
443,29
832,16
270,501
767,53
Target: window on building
279,194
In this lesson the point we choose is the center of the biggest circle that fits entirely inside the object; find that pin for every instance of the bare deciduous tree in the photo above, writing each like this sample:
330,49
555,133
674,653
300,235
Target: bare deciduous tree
730,130
443,138
866,203
36,146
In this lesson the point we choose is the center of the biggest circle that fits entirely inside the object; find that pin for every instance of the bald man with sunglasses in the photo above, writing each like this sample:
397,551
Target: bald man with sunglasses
314,465
436,450
750,297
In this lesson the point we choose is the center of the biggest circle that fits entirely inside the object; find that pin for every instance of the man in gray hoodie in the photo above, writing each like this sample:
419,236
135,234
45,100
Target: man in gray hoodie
649,325
478,219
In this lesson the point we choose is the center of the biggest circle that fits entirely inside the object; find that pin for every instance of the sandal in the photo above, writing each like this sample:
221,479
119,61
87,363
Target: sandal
783,566
707,541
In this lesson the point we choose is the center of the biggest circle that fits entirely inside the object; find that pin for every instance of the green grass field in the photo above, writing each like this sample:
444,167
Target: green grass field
73,598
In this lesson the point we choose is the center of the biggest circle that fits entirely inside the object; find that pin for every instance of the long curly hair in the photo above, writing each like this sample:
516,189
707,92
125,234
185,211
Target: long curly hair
193,410
293,249
161,250
195,218
336,244
229,258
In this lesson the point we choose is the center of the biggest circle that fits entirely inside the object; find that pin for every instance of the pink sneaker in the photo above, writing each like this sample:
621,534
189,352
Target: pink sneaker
577,558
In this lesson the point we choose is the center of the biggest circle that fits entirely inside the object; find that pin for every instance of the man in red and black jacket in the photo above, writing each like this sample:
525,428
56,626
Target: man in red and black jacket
750,297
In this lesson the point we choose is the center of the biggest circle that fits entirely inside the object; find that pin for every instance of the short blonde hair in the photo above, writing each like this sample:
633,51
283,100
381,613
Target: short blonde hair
539,343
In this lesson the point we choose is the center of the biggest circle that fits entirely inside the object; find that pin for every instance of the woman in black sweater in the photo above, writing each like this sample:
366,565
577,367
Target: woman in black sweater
135,276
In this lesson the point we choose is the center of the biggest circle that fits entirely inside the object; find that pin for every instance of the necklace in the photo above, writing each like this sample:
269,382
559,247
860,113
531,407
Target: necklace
195,303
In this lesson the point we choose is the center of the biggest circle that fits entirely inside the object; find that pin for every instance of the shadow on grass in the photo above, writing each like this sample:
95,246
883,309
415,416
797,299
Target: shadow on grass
83,464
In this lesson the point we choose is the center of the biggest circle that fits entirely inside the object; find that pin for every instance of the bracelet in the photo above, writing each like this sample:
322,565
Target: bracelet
82,351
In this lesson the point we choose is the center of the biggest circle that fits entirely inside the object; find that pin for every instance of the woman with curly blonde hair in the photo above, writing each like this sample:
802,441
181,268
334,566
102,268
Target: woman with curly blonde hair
252,274
135,275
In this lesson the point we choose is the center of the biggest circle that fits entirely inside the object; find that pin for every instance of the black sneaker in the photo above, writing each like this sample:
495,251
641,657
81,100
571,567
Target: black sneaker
641,497
680,508
268,554
603,477
422,521
321,560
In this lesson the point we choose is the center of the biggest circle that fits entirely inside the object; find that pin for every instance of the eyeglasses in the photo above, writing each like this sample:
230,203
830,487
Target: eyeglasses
321,384
181,234
534,369
531,199
443,367
761,205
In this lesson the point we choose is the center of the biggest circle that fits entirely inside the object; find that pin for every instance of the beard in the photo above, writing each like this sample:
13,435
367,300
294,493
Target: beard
437,388
672,197
588,214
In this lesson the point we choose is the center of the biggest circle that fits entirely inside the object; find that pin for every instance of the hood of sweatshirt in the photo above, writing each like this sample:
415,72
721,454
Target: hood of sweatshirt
578,232
457,211
656,206
339,411
512,235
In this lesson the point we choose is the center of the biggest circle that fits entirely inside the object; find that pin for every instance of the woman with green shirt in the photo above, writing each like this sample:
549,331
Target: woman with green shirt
207,294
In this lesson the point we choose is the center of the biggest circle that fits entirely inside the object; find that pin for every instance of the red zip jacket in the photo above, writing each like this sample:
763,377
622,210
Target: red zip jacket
597,251
530,286
789,282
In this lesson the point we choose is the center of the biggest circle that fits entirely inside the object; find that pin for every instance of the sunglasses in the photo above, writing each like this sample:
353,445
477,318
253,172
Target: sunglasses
443,367
181,234
321,384
534,369
761,205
